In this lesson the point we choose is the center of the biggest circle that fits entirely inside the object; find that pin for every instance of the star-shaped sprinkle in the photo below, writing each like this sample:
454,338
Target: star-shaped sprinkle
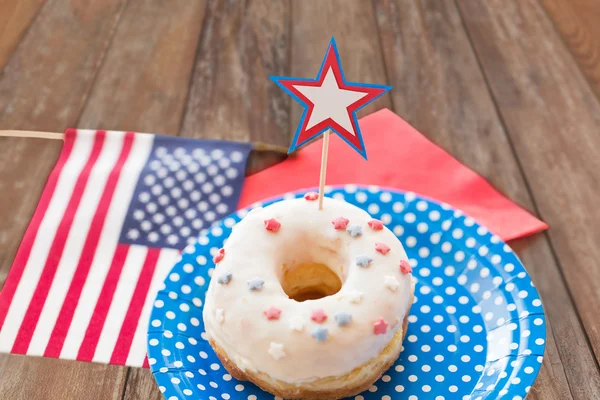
342,318
296,323
375,224
276,350
321,334
354,297
354,230
220,315
272,225
382,248
224,278
380,326
219,256
340,223
255,284
363,260
272,313
311,196
318,316
391,282
405,267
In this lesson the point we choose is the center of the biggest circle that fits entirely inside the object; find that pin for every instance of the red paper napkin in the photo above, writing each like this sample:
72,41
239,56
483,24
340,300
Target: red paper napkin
402,158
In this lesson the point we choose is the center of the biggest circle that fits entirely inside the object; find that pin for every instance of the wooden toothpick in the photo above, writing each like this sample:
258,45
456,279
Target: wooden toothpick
323,168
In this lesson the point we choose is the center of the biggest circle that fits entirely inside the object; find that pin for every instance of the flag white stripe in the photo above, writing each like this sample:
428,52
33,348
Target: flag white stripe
140,151
137,353
82,147
118,308
82,220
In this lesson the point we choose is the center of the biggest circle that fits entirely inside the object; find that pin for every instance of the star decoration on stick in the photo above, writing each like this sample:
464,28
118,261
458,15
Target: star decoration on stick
330,102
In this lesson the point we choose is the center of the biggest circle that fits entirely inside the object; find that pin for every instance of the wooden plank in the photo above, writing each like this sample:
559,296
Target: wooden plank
577,22
27,378
552,117
231,97
143,83
141,386
440,89
16,17
353,25
44,87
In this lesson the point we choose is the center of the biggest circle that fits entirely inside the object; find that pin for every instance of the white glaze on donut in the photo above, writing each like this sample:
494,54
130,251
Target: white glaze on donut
306,234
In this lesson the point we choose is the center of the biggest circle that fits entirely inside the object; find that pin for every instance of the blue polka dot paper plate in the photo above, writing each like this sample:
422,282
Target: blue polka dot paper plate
476,330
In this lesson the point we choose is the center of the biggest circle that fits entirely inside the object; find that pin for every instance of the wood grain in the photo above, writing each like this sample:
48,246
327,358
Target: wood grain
353,25
15,18
141,386
143,83
44,87
552,117
231,97
31,378
577,22
440,89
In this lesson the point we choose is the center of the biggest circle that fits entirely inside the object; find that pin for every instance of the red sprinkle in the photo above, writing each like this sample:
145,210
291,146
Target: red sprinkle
375,224
272,225
219,256
382,248
340,223
318,316
380,326
311,196
272,313
405,267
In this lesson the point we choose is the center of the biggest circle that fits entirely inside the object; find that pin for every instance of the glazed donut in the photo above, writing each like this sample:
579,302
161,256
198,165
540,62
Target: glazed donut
309,303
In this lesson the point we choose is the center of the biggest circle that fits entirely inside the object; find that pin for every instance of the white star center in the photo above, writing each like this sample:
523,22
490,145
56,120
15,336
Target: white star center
330,102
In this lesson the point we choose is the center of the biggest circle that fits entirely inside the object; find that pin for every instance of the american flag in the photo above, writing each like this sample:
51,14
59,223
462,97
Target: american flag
116,212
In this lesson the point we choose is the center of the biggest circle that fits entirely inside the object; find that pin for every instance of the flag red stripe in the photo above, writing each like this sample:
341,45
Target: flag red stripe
121,351
65,317
55,253
18,267
94,329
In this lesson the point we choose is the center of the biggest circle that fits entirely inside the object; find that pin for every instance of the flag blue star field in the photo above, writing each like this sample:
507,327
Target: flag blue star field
185,186
114,215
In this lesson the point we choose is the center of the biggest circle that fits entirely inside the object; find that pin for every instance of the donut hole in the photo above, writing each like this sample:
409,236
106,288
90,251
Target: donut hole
309,281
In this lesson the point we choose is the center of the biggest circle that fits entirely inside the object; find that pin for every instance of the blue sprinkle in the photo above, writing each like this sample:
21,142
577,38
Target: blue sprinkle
342,318
354,230
363,260
321,334
255,284
224,278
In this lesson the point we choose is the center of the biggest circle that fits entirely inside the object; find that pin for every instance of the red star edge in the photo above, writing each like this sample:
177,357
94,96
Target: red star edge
303,134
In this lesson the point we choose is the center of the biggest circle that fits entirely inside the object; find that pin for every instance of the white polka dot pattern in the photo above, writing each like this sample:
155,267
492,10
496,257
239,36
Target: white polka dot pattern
476,330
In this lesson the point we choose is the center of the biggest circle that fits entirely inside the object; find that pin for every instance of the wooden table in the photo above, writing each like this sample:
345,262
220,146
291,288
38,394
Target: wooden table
509,87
